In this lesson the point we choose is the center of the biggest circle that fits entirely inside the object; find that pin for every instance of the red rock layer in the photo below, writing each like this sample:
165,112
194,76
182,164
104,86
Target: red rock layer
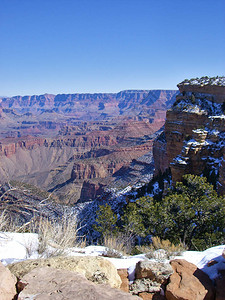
8,147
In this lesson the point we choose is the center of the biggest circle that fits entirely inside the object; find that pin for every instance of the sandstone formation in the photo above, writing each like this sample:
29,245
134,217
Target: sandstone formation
93,268
49,283
7,284
188,283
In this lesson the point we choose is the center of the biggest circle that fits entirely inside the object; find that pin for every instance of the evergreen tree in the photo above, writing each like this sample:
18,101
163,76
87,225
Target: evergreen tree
106,220
132,220
194,214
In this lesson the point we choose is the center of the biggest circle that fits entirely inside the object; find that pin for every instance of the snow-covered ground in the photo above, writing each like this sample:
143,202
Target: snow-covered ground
21,246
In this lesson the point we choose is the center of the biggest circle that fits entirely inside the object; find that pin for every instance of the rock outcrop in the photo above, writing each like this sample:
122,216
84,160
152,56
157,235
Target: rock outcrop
207,85
160,154
194,135
82,170
90,190
156,271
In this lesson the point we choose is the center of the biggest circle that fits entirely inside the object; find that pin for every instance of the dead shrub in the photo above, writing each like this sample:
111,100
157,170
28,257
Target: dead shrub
4,221
163,249
55,237
117,245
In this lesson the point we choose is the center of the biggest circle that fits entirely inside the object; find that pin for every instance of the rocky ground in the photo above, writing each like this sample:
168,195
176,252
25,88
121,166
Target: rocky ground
83,275
95,277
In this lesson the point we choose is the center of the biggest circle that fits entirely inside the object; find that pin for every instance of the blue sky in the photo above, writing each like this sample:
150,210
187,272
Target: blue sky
68,46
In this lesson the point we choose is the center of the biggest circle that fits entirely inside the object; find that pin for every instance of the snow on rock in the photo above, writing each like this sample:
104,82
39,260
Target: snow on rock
202,258
128,262
218,80
180,160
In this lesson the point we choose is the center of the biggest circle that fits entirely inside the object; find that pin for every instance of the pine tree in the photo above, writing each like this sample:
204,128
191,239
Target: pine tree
132,220
106,220
194,214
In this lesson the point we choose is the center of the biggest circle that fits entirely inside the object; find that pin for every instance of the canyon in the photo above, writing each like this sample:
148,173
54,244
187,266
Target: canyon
77,146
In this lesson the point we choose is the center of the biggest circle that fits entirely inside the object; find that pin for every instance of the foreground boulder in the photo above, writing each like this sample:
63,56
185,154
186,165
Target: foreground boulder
7,284
48,283
188,282
95,269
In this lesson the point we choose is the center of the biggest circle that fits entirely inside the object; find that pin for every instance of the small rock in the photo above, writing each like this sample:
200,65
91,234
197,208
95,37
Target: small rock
99,277
156,271
211,263
145,285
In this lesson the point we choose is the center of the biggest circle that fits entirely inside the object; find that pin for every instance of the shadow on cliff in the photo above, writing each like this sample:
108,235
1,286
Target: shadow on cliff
60,185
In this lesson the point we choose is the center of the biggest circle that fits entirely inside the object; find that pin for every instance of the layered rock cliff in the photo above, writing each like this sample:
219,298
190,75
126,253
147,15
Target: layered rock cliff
9,146
194,135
